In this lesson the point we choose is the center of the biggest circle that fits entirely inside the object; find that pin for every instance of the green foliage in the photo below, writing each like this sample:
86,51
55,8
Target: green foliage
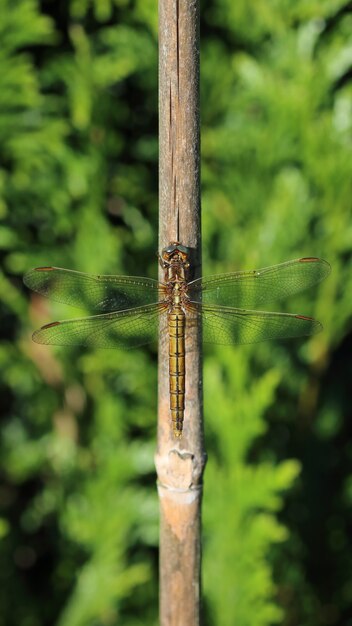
277,134
236,568
78,133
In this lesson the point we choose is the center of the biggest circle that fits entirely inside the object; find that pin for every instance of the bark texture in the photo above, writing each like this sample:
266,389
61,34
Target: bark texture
180,462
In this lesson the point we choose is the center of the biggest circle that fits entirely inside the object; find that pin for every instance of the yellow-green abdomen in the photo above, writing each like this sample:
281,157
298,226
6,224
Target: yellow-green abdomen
176,325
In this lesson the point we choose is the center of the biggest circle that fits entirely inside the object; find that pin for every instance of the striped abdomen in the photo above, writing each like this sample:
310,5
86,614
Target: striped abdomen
176,325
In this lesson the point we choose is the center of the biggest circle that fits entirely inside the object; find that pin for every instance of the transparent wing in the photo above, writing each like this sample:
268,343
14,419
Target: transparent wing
99,293
257,287
123,329
236,326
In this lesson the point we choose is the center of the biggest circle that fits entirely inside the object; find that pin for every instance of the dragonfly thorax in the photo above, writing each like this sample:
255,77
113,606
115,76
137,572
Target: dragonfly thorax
174,260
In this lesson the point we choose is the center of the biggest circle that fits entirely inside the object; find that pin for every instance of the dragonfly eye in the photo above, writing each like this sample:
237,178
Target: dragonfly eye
183,250
166,252
173,248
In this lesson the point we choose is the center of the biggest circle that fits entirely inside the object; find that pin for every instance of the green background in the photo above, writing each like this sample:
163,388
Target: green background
78,189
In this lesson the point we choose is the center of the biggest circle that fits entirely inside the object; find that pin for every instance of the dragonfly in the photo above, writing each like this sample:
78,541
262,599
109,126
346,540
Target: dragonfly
127,310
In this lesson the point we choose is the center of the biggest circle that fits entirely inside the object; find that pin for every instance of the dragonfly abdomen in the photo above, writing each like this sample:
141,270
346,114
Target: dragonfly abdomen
176,326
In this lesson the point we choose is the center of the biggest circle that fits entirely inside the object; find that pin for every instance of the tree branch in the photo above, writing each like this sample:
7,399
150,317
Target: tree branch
180,463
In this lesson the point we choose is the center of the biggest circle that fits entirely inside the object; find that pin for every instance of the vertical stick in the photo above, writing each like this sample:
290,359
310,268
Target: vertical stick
180,463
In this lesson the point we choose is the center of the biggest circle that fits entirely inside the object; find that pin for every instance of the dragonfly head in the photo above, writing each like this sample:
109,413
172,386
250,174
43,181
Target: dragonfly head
174,252
175,256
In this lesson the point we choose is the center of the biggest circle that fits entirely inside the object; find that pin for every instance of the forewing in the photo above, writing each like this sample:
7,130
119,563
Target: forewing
258,287
236,326
123,329
98,293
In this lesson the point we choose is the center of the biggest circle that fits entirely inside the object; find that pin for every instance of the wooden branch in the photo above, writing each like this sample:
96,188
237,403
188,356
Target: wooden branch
180,462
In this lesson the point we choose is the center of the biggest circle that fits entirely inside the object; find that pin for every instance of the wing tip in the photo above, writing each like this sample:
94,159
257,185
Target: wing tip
36,337
315,259
27,278
38,334
50,325
314,327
